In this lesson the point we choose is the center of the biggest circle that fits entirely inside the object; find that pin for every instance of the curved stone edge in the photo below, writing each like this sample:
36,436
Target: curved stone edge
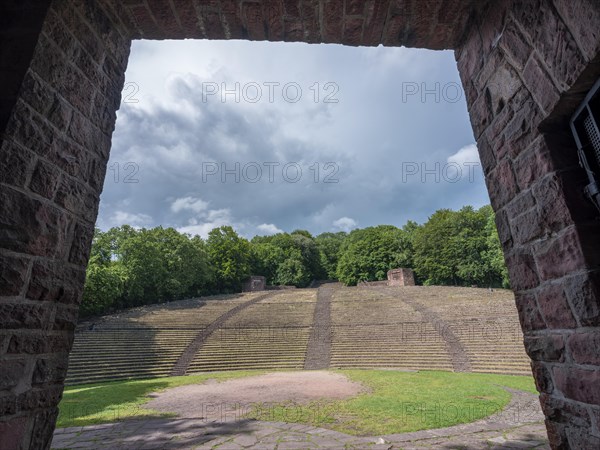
184,361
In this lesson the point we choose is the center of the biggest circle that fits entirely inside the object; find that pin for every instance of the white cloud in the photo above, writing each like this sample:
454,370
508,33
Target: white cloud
196,205
212,219
135,220
466,155
268,229
345,224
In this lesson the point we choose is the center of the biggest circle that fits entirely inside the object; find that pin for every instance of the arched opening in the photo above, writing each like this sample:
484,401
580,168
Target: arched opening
520,63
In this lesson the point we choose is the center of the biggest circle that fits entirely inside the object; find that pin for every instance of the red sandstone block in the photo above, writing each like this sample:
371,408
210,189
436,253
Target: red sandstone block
397,24
533,163
549,194
104,111
522,130
583,291
540,85
38,343
65,318
13,432
529,315
353,31
273,17
79,253
469,58
144,21
87,134
585,347
93,172
12,372
375,18
13,274
30,226
8,406
523,275
559,256
552,39
293,30
15,165
78,199
521,204
213,27
44,179
311,20
252,15
332,21
542,377
487,155
28,129
354,7
504,232
583,20
186,13
165,18
42,397
545,348
578,384
50,370
565,411
527,226
554,307
231,19
56,281
502,185
515,44
292,8
557,437
17,316
480,112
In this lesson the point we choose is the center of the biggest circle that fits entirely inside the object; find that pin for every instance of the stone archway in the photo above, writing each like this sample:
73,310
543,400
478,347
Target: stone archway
525,65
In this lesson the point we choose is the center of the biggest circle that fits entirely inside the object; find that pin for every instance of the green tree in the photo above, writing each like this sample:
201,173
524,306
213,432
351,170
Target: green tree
367,254
230,257
293,272
453,248
103,287
329,245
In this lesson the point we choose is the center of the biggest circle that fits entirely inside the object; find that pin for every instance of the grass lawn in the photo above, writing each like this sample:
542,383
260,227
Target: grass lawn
395,402
90,404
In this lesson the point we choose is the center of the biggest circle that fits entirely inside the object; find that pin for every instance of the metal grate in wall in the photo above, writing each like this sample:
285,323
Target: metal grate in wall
585,125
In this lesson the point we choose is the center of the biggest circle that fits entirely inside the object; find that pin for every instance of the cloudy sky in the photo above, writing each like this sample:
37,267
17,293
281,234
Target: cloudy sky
278,136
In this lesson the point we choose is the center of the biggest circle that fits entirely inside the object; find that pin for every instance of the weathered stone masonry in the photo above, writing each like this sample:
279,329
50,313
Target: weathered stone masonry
525,66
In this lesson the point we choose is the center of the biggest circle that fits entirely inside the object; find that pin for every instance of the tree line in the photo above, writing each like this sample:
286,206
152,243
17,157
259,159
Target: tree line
132,267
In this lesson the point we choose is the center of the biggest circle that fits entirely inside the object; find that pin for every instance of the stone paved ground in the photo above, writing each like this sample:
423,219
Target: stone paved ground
519,426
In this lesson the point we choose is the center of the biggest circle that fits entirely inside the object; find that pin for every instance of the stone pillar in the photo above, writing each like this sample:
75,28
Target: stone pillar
53,153
400,277
525,67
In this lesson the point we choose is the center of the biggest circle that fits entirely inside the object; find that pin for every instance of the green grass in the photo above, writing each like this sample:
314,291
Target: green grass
399,402
394,402
91,404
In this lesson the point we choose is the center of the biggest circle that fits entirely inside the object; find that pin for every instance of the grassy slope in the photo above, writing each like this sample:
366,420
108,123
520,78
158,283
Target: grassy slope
395,402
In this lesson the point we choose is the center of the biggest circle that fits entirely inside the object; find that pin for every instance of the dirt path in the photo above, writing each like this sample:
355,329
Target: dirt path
230,400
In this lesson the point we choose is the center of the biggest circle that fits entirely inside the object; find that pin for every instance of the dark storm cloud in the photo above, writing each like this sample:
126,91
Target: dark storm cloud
175,136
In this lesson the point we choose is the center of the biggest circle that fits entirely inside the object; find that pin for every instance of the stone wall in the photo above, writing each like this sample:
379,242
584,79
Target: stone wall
254,284
524,65
525,69
400,277
53,157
